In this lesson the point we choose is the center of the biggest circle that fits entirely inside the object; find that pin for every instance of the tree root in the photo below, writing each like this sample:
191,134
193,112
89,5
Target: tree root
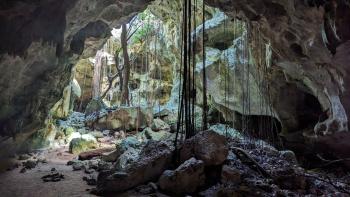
248,160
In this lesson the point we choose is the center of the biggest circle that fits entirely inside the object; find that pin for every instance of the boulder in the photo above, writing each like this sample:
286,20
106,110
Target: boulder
129,156
159,125
78,145
87,155
127,118
155,157
185,179
207,146
122,146
149,134
111,156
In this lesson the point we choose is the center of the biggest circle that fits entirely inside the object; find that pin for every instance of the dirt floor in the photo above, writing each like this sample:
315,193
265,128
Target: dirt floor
13,183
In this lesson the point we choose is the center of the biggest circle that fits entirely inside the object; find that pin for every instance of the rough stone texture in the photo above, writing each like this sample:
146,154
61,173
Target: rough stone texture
154,158
185,179
207,146
78,145
230,175
159,124
40,43
126,118
299,33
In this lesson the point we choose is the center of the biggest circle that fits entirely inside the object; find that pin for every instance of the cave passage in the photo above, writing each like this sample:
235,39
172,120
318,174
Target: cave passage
173,98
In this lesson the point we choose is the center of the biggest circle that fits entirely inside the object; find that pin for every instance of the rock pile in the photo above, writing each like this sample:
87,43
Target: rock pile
212,165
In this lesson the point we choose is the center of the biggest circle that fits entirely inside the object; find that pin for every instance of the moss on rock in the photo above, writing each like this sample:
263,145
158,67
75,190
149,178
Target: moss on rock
78,145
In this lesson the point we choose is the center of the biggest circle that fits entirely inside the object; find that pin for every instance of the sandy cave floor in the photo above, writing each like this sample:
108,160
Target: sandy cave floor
29,184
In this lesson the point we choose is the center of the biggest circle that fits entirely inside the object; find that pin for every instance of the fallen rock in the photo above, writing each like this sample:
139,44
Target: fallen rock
128,157
121,147
128,118
29,164
111,156
154,158
207,146
159,125
78,145
54,176
146,189
78,166
185,179
90,180
93,153
149,134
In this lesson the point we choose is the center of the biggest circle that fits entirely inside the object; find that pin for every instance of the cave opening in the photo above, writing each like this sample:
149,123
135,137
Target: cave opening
167,98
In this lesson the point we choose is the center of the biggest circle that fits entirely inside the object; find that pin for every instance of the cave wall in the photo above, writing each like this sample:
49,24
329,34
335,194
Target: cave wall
302,40
40,42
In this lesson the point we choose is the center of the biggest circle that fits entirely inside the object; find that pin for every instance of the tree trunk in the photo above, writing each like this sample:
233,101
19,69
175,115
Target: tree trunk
126,71
96,80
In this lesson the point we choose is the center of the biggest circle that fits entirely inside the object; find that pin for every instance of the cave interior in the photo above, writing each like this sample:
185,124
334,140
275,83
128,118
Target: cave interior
174,98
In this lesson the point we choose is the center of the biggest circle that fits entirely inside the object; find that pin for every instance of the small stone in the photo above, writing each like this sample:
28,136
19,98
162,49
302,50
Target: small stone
24,157
90,180
145,189
78,166
23,170
89,171
29,164
106,132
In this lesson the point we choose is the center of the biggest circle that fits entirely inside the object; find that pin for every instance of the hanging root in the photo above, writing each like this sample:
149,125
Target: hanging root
330,162
248,160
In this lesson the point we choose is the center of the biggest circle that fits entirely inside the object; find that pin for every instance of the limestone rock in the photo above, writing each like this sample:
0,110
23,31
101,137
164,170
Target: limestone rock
131,155
185,179
159,125
111,156
127,118
78,145
154,158
149,134
207,146
230,175
93,153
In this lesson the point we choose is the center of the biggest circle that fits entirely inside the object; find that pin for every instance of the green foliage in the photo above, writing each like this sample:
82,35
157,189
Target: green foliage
142,33
144,23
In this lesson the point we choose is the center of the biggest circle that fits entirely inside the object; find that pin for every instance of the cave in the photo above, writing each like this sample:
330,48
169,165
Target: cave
174,98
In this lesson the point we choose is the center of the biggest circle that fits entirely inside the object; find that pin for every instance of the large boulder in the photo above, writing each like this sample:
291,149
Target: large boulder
78,145
207,146
154,158
185,179
125,118
159,125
